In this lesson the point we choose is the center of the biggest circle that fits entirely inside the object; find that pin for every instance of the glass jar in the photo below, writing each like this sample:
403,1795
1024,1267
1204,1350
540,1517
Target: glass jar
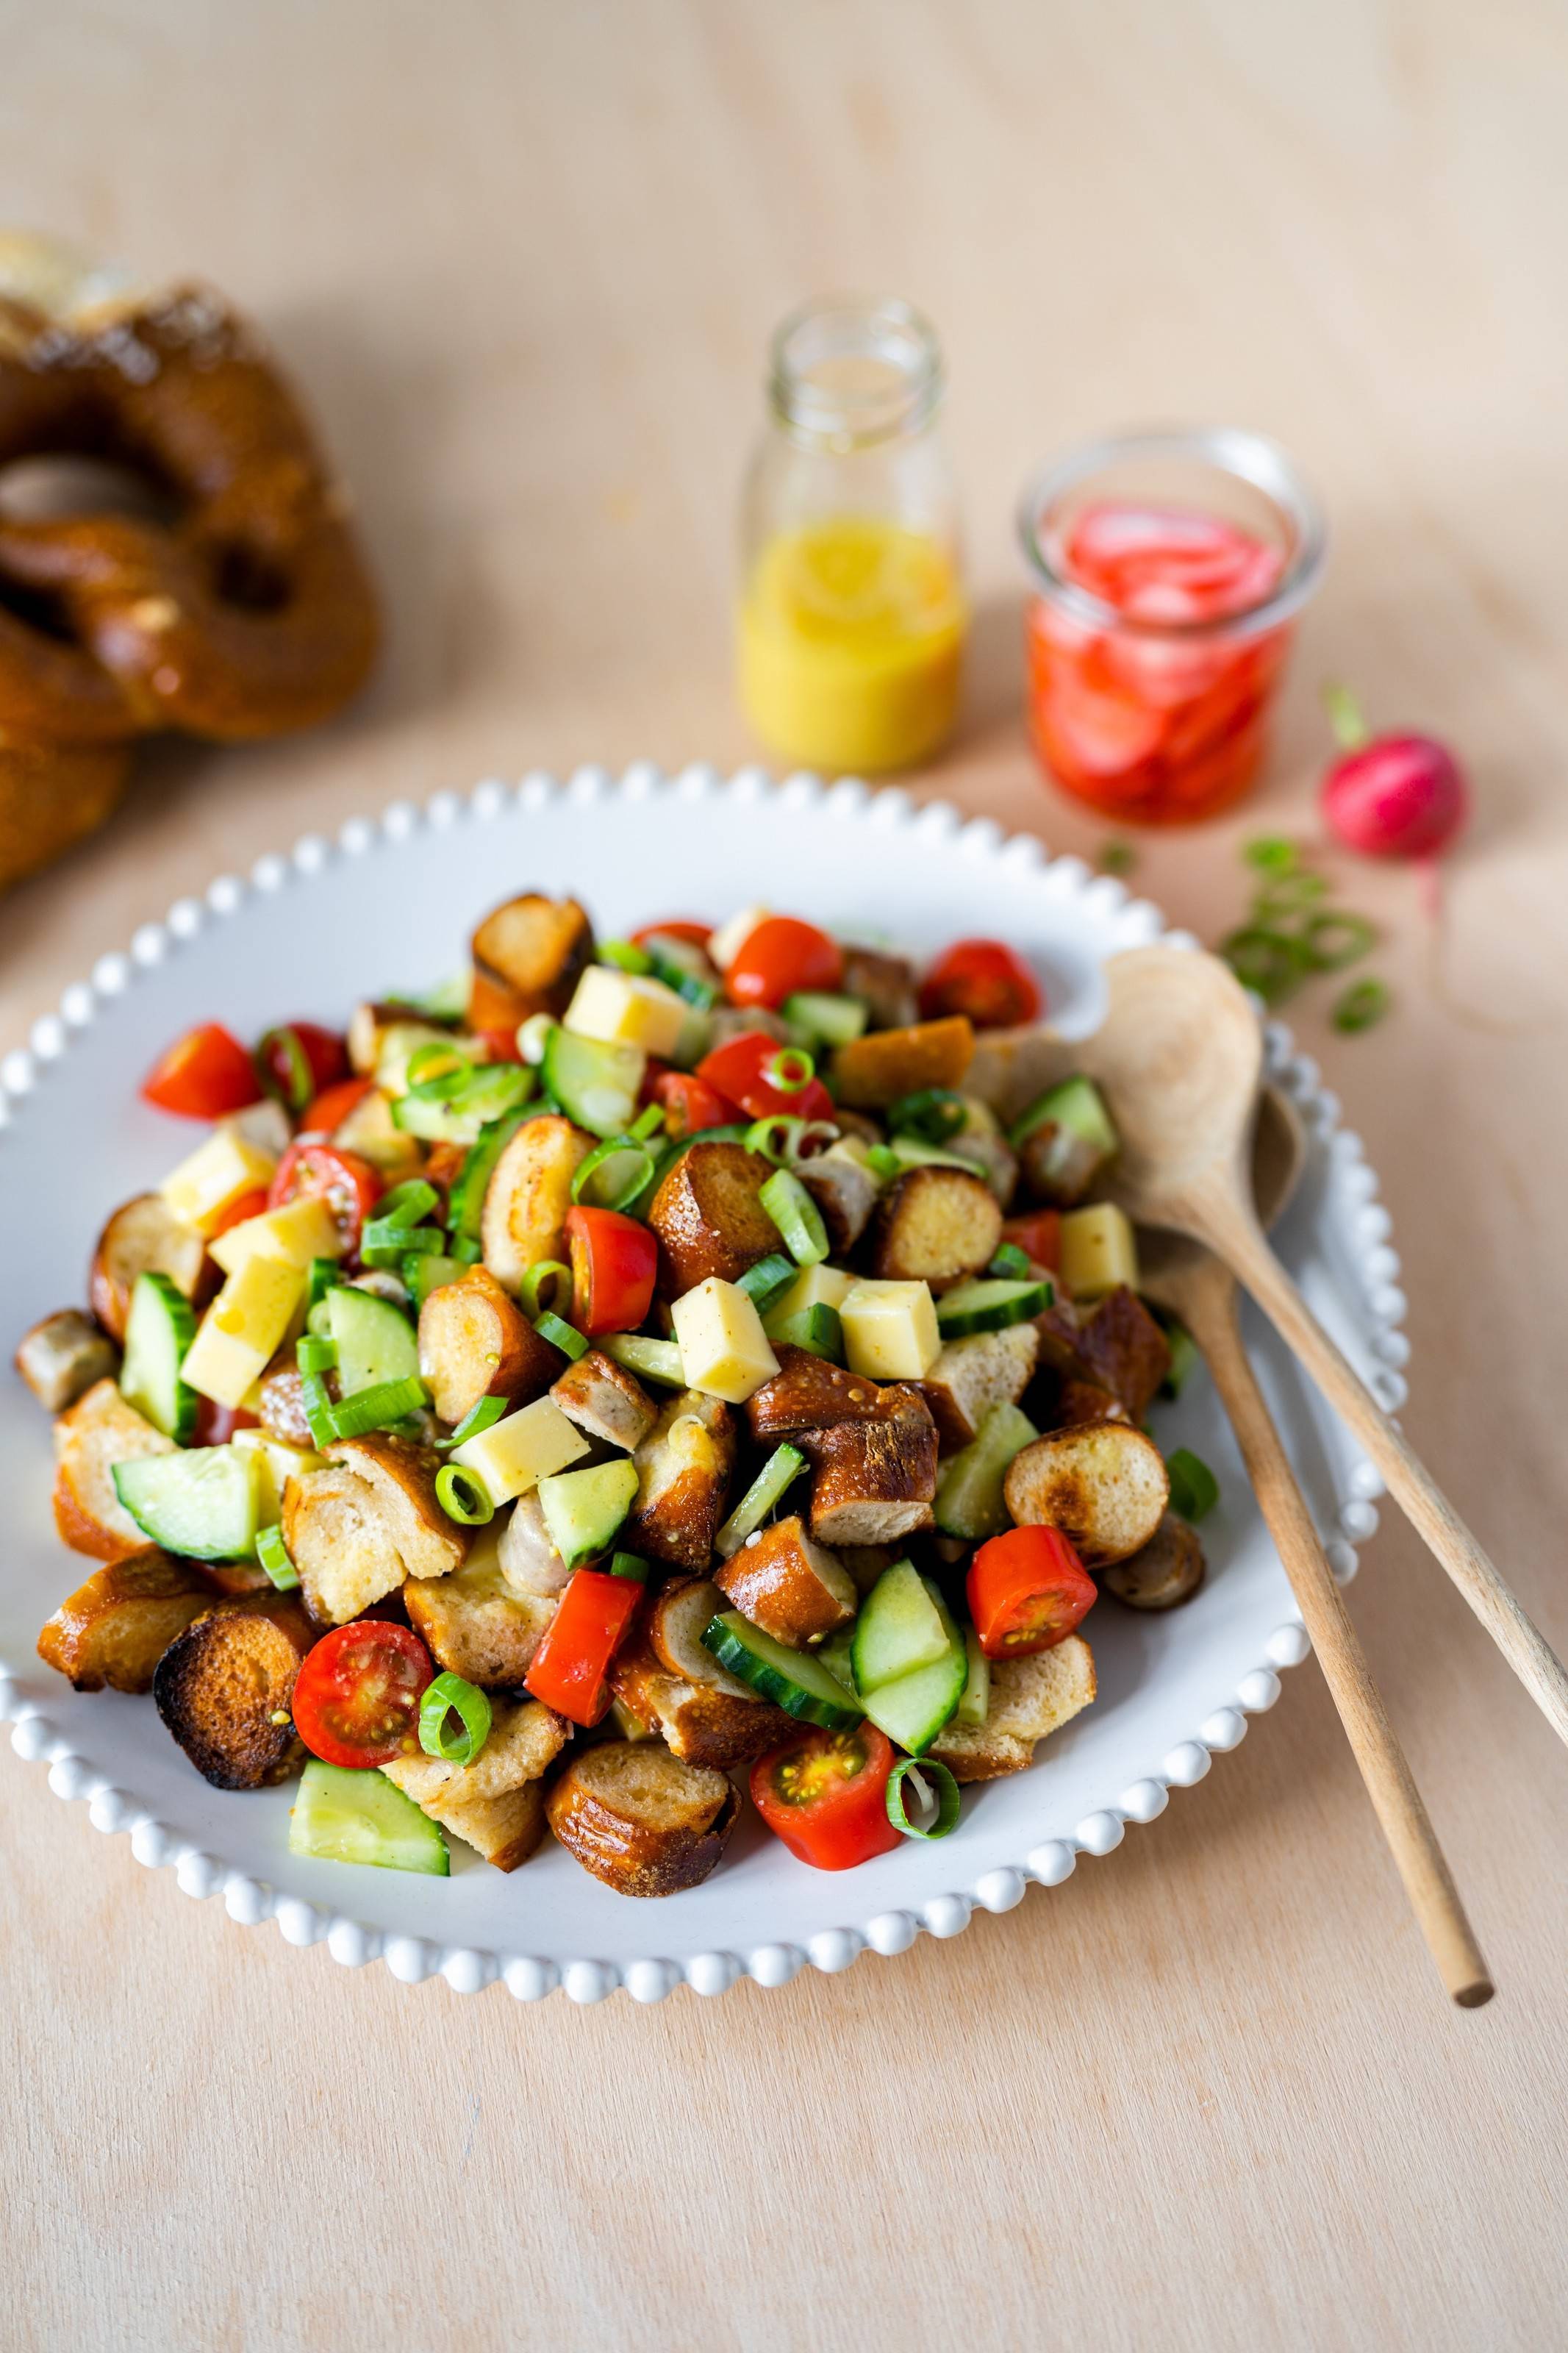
852,614
1168,569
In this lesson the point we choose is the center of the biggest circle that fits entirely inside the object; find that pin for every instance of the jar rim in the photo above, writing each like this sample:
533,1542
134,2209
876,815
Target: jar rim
1251,458
881,327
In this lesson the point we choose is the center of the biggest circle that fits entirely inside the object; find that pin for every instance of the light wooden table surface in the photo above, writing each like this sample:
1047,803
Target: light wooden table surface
525,258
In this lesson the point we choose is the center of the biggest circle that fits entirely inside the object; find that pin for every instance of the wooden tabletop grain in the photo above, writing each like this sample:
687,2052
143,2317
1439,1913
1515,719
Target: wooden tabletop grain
1207,2094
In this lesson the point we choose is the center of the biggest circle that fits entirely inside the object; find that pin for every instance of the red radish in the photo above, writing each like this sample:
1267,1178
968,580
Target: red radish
1391,795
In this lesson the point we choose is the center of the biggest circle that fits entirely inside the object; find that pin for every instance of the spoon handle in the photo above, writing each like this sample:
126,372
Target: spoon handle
1374,1741
1237,1240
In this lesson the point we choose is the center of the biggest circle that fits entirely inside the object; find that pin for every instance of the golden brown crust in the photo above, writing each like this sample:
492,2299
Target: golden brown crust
142,1235
875,1481
885,986
1082,1401
357,1529
640,1820
873,1072
708,1218
1123,1349
529,1195
475,1626
606,1401
683,1477
475,1341
1030,1699
935,1225
111,1631
972,1375
223,1686
52,796
808,1393
788,1585
1103,1484
1167,1571
528,956
100,1430
701,1724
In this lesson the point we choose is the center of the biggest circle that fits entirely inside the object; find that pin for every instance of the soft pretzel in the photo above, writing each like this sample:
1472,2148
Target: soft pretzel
52,795
250,613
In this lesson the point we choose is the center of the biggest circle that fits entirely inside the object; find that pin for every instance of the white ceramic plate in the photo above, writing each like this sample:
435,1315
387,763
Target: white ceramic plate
391,905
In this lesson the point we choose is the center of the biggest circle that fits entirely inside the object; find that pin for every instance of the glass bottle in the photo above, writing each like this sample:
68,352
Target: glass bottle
852,614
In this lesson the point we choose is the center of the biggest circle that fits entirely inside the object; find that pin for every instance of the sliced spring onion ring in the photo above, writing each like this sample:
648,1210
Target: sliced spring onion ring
933,1114
1332,941
1194,1490
378,1406
796,1215
627,956
273,1554
649,1122
450,1695
631,1564
784,1464
1358,1006
791,1068
560,1334
613,1174
1272,853
776,1138
406,1204
463,1497
546,1285
768,1279
1288,896
319,1409
483,1415
934,1786
313,1353
436,1069
298,1086
326,1274
385,1243
467,1248
883,1162
1271,962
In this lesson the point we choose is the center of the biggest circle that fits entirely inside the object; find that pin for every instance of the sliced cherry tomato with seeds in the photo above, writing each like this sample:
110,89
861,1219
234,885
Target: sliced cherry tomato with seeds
985,979
350,1185
825,1794
206,1075
690,1105
740,1069
357,1702
1027,1589
779,956
614,1261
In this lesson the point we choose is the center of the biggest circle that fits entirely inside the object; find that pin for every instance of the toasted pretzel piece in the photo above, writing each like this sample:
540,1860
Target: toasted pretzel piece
52,795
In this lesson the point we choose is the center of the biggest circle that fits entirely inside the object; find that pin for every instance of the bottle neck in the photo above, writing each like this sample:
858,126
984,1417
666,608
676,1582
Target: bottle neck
850,375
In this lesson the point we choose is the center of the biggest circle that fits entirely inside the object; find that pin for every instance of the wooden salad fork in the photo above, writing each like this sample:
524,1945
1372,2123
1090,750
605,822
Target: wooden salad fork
1179,1057
1187,1279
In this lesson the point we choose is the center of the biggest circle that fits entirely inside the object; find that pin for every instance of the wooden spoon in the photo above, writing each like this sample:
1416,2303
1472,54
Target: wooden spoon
1179,1058
1187,1279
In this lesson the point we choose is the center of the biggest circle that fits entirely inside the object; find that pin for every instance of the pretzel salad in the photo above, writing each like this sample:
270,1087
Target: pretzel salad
643,1362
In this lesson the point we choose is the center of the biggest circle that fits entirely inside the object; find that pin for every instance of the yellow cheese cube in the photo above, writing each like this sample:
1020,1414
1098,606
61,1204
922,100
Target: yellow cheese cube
276,1461
516,1453
218,1171
729,938
1099,1250
813,1286
243,1328
624,1008
723,1349
299,1232
890,1330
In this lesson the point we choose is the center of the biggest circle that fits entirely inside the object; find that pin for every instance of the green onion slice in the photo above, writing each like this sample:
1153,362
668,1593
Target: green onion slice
560,1334
1332,941
784,1464
546,1285
1271,962
613,1174
883,1162
326,1275
463,1497
484,1415
629,1564
273,1554
467,1248
1013,1261
765,1281
933,1114
625,956
406,1204
791,1068
319,1409
1289,895
777,1139
313,1353
819,1330
298,1086
378,1406
936,1793
450,1695
649,1122
1194,1490
1272,853
384,1243
1359,1006
796,1215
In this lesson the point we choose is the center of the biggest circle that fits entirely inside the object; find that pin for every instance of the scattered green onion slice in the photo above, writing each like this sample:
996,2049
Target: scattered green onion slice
790,1069
450,1695
883,1162
384,1242
1268,961
784,1464
436,1073
1332,941
326,1274
463,1497
546,1285
273,1554
1194,1490
319,1409
625,956
406,1204
820,1330
313,1353
777,1138
1272,853
1012,1261
629,1564
1289,895
613,1174
467,1248
934,1786
649,1122
796,1215
767,1281
560,1334
933,1114
378,1406
1360,1005
484,1415
298,1086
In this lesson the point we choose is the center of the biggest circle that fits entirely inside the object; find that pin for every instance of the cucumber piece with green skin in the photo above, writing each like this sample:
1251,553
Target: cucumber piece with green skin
796,1680
837,1655
201,1504
159,1329
969,1491
910,1153
992,1304
466,1202
376,1342
435,1122
343,1816
822,1019
820,1330
594,1083
651,1360
583,1509
1075,1105
975,1703
912,1711
898,1631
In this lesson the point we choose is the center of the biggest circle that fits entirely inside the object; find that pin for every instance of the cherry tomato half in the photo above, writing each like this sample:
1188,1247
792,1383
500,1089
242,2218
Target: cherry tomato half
679,927
243,1206
779,956
692,1104
614,1262
206,1075
216,1424
297,1061
1038,1234
825,1794
739,1069
333,1105
569,1666
350,1185
357,1699
985,979
1027,1589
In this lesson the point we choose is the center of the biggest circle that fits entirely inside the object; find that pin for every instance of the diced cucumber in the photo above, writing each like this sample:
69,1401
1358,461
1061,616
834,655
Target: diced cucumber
201,1504
837,1655
992,1304
435,1122
683,966
1075,1104
899,1630
910,1153
913,1710
427,1273
819,1330
343,1816
594,1083
822,1019
400,1041
375,1340
158,1331
784,1463
969,1491
651,1360
975,1704
795,1680
583,1509
465,1202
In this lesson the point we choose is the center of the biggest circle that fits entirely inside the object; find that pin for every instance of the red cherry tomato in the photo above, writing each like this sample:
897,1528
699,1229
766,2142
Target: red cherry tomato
206,1075
298,1060
243,1206
779,956
679,927
216,1424
350,1185
614,1262
569,1666
333,1105
985,979
357,1699
1038,1235
739,1068
1027,1589
825,1794
690,1104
